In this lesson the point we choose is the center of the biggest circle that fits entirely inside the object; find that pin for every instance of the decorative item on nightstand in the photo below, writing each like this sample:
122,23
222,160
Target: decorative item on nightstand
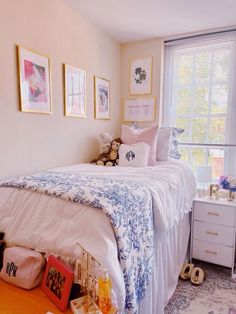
204,177
214,191
228,183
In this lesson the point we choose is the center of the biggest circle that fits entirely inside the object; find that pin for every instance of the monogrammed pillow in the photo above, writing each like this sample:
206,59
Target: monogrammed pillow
22,267
131,136
135,155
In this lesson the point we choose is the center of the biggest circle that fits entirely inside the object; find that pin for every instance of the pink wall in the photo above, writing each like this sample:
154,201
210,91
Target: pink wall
32,142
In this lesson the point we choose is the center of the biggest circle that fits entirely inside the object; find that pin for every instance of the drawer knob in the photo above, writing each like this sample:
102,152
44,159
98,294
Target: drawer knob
211,252
213,214
212,233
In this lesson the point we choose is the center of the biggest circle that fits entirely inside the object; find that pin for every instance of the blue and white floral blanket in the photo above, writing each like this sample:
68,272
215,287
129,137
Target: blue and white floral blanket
127,205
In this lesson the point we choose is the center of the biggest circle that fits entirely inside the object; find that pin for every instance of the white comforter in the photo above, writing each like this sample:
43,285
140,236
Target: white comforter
51,224
171,183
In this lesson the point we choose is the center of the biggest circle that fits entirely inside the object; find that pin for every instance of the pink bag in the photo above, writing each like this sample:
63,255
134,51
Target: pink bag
22,267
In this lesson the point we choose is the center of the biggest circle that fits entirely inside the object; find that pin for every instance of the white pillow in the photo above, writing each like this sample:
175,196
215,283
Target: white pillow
163,143
135,155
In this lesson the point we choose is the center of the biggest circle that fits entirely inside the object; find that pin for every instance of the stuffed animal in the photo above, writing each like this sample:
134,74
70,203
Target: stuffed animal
114,153
112,157
103,157
105,142
104,139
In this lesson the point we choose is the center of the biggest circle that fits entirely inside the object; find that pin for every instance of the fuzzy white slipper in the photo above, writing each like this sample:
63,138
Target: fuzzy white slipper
197,276
186,271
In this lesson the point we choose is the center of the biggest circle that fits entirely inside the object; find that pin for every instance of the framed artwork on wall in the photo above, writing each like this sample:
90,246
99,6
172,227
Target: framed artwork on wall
101,98
141,76
75,92
140,109
57,282
35,81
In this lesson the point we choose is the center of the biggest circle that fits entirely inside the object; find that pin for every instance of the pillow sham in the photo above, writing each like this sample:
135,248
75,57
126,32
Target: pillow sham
135,155
163,143
174,152
167,143
149,136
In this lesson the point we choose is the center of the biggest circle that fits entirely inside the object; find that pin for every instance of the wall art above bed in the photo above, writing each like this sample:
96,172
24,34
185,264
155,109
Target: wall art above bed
140,109
101,98
75,92
141,76
35,81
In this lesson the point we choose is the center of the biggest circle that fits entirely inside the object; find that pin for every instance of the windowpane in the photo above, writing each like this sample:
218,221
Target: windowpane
185,69
216,160
217,130
203,156
201,100
221,61
202,67
184,123
184,100
219,98
198,156
199,130
184,153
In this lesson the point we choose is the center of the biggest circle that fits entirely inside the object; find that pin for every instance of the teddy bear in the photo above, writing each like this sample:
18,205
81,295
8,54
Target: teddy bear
105,139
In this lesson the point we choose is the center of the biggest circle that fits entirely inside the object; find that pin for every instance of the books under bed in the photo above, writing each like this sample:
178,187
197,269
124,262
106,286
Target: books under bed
134,221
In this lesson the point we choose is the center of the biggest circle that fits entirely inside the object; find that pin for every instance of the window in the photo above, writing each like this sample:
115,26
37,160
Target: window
200,96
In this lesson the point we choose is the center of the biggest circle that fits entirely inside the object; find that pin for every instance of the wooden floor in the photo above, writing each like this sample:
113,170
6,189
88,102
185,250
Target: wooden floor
14,300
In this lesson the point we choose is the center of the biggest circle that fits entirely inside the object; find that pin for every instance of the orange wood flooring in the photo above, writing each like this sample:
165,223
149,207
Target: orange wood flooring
14,300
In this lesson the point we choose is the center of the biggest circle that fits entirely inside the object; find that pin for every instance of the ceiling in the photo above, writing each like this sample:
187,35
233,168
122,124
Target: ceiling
130,20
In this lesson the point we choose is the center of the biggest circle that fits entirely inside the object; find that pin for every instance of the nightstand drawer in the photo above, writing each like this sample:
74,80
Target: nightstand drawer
212,253
213,233
214,213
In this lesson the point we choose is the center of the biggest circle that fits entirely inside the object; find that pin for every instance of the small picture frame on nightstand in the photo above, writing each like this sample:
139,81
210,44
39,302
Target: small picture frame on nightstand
214,191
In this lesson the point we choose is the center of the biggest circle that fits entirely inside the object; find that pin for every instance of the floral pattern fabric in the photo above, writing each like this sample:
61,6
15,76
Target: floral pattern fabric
127,205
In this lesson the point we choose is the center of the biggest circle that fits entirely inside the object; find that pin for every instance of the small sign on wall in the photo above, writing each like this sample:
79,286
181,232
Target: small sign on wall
140,109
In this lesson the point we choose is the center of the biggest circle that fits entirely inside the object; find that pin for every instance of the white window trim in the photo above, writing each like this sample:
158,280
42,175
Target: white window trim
168,112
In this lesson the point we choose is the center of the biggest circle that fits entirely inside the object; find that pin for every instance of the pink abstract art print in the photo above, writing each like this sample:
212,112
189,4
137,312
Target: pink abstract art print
36,79
34,74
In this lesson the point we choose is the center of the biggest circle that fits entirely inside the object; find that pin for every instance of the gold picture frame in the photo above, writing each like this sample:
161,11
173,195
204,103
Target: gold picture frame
214,191
74,92
140,76
140,109
34,81
101,98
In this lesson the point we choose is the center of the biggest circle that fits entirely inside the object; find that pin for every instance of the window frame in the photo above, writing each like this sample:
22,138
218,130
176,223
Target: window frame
170,111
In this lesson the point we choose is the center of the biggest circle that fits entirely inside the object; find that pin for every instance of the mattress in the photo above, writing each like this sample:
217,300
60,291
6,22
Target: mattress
53,224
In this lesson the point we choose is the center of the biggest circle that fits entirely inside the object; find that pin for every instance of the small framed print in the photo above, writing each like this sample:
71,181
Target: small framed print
57,282
140,109
214,191
35,82
141,76
75,92
102,98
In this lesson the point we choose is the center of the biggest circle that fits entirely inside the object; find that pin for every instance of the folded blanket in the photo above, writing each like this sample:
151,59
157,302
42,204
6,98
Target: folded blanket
127,205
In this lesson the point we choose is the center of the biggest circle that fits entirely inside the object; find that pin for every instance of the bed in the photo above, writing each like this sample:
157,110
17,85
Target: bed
135,221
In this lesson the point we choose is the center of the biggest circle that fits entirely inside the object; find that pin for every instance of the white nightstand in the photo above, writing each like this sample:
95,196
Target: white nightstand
213,231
